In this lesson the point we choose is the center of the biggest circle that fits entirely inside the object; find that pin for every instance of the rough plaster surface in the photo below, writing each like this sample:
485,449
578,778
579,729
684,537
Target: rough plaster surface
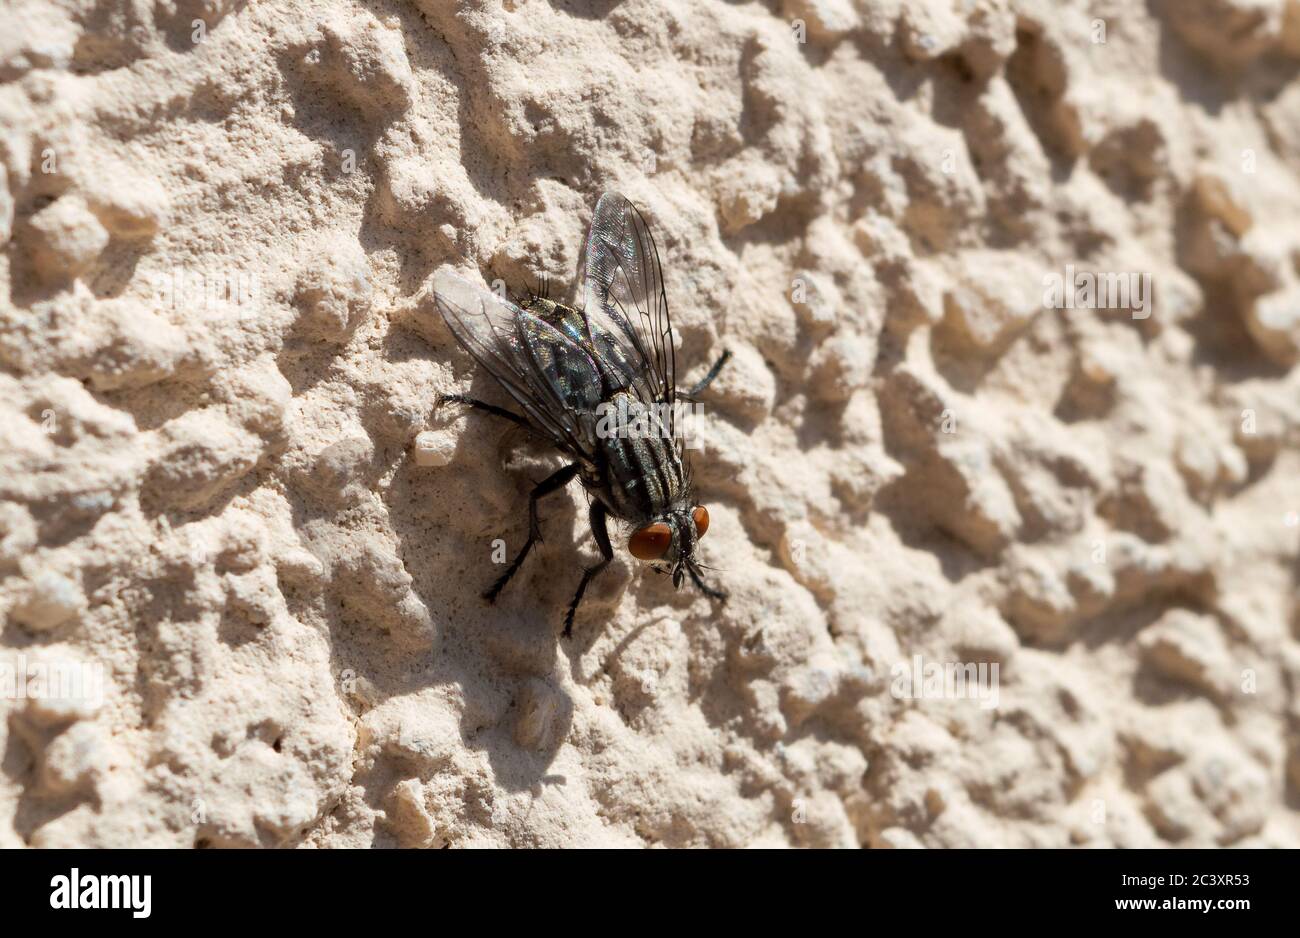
224,482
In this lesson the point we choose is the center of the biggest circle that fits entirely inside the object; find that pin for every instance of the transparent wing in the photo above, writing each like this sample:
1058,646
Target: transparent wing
624,301
546,373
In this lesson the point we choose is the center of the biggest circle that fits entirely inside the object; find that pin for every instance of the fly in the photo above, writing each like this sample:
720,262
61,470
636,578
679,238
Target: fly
599,382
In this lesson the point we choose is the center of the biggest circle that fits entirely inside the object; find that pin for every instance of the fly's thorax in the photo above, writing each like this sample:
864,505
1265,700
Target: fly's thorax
644,474
625,415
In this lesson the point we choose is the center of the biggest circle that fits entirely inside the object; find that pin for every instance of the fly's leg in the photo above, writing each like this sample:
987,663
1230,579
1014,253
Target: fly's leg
601,533
484,406
704,588
708,379
551,483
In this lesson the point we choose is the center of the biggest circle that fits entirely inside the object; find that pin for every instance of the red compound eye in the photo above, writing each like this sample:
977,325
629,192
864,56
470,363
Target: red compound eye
701,518
651,542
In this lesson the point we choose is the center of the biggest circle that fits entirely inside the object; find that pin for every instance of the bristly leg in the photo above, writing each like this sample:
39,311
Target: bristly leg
601,533
704,588
551,483
484,406
708,379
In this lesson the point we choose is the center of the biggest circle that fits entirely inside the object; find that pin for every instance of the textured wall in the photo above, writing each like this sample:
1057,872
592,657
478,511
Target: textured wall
226,491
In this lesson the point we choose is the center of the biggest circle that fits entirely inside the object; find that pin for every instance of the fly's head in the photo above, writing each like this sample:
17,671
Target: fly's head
669,543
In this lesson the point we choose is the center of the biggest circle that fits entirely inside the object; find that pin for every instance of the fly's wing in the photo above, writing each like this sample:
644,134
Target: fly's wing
538,366
624,301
